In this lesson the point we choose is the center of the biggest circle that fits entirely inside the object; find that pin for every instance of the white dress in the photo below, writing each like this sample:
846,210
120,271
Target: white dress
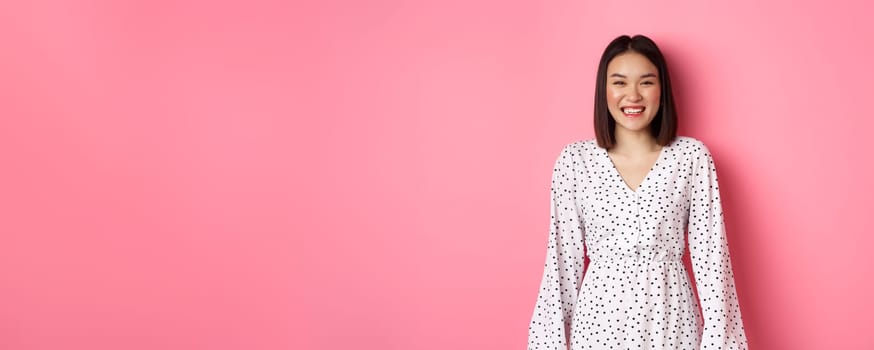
635,292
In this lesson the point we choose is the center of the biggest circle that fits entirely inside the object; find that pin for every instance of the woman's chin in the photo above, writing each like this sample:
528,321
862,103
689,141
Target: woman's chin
634,125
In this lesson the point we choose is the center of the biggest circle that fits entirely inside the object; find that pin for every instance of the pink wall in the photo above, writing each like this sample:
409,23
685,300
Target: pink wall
374,175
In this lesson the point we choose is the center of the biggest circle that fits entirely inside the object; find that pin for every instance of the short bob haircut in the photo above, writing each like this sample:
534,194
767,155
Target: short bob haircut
664,125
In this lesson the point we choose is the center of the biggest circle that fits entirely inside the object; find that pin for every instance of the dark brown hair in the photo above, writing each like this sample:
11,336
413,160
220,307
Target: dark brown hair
664,125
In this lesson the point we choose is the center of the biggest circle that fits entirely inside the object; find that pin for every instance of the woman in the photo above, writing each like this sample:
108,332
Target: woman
624,199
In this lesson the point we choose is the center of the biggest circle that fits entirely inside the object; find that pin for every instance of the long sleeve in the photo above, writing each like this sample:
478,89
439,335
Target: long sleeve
711,262
562,275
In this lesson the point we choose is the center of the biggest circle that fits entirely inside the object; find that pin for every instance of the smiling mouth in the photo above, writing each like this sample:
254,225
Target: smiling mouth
633,111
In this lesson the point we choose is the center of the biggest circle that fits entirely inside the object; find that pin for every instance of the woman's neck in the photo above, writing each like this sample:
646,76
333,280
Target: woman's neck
632,143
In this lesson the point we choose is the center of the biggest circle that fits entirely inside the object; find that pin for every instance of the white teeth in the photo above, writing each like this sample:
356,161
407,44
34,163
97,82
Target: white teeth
631,110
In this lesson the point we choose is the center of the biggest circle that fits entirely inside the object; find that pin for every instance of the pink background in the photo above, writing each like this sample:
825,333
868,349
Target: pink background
374,174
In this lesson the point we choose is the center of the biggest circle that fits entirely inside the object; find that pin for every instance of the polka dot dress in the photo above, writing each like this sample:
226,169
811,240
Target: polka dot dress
635,292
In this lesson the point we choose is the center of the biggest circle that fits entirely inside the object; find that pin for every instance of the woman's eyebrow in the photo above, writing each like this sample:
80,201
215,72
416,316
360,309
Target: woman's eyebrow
647,75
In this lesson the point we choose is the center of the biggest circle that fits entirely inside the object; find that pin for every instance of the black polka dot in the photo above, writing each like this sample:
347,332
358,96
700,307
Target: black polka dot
635,293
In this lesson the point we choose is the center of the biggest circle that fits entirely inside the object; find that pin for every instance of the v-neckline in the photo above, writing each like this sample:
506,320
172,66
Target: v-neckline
652,169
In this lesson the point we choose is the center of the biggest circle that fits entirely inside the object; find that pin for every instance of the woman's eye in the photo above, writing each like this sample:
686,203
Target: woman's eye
618,82
648,83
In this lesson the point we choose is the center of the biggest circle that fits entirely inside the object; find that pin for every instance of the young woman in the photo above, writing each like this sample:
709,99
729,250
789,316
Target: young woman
624,199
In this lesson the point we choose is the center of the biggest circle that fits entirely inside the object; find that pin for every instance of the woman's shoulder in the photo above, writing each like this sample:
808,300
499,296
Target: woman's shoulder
582,144
690,144
581,148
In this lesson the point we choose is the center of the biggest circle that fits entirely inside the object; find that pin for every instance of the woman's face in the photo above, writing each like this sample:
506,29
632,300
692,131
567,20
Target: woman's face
633,91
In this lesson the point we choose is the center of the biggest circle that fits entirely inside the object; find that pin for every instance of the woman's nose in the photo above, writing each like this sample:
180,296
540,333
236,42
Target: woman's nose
634,95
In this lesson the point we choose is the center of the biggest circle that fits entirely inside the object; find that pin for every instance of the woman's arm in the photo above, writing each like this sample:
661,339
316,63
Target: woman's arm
563,270
711,262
